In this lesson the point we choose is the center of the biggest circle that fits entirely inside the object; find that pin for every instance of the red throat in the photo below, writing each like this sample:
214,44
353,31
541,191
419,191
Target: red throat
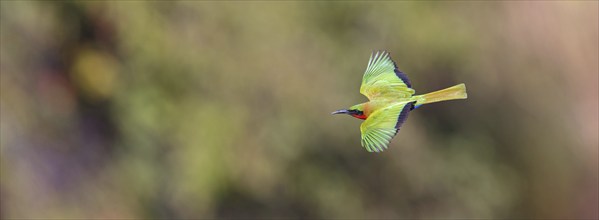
363,117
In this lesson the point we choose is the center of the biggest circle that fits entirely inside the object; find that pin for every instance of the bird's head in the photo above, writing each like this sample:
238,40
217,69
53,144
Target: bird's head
357,111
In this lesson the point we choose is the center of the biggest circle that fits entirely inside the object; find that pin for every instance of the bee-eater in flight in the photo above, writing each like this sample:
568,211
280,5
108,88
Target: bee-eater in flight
391,99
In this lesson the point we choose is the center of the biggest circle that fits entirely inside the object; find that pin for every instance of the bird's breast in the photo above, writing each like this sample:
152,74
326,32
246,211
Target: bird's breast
372,106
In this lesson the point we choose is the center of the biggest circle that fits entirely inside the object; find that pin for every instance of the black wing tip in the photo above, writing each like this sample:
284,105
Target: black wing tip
377,54
401,75
403,115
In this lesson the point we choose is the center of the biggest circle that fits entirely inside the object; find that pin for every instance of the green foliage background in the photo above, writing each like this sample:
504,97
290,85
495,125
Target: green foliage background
151,109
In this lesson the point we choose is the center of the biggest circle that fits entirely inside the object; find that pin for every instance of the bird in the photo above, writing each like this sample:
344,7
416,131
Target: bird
391,98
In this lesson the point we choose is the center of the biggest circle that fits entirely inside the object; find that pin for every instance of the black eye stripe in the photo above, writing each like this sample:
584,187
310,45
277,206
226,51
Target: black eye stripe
356,112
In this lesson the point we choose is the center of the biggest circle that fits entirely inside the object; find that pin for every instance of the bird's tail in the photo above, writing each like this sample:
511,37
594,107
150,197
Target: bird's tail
451,93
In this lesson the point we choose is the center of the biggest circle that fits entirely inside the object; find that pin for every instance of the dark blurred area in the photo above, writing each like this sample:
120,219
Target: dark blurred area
151,109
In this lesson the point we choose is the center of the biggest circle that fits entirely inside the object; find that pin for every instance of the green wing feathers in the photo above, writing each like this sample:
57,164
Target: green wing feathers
383,125
382,79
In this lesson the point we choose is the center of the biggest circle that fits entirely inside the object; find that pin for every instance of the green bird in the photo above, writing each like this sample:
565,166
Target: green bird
391,99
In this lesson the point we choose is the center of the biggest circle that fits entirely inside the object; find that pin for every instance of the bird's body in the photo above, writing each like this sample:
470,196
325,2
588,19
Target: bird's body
391,99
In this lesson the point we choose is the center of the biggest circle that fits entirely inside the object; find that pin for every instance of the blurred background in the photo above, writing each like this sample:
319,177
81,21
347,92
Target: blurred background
147,110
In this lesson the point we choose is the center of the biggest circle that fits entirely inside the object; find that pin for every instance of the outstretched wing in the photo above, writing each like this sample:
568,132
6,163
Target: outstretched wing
382,125
382,79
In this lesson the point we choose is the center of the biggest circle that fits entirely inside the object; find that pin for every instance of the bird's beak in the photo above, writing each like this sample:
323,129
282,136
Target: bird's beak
342,111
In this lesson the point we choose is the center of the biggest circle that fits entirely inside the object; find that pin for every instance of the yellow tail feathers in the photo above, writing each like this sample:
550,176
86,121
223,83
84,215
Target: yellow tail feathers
451,93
